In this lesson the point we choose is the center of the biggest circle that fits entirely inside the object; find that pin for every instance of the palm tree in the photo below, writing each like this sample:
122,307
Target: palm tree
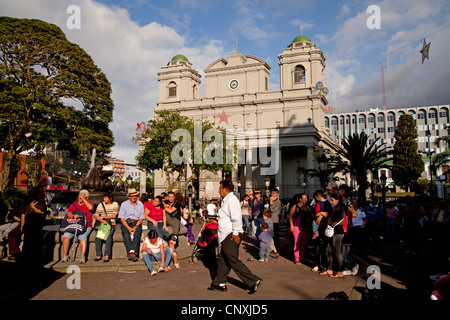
360,158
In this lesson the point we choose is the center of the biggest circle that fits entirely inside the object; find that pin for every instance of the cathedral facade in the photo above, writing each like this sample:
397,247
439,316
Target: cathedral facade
291,120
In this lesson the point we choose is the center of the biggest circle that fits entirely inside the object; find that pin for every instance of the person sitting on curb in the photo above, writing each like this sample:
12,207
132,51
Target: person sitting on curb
153,250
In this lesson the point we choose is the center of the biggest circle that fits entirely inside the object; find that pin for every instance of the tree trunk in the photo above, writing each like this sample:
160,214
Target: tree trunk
5,177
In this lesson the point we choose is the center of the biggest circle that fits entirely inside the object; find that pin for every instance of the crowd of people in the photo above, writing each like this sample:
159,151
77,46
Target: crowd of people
325,230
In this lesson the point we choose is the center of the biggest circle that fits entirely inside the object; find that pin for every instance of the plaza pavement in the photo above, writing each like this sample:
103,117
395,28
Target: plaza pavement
282,279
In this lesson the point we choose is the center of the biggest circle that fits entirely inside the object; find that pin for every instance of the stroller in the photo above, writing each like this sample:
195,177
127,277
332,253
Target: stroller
207,241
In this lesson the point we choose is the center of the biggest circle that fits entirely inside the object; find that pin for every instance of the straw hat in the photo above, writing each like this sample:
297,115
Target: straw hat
132,192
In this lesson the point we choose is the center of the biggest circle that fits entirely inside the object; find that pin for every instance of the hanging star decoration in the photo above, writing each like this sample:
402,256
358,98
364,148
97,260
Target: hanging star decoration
223,117
425,50
320,89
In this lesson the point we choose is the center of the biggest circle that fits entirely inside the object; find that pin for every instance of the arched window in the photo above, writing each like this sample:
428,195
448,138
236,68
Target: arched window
172,89
299,74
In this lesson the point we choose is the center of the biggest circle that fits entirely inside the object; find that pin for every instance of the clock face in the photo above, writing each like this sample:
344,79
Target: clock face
234,84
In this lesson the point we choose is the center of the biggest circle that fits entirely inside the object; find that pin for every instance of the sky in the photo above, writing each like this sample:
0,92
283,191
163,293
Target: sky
130,40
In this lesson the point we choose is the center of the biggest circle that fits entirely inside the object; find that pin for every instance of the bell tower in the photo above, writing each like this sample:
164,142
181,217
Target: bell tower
179,81
301,64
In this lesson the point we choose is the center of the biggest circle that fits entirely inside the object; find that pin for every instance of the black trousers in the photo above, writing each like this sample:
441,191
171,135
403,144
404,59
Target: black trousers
229,259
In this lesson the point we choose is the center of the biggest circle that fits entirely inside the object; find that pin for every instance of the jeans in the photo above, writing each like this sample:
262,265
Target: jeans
159,229
264,253
258,222
246,220
149,257
335,249
349,263
132,245
108,244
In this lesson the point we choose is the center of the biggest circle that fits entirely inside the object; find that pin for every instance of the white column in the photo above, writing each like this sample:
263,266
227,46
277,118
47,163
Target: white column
310,165
279,174
248,170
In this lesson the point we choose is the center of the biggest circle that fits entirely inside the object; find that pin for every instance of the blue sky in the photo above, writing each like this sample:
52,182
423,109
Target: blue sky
131,39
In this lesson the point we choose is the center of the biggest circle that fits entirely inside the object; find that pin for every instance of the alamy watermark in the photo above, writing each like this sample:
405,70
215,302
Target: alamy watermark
374,21
74,280
74,20
263,145
374,280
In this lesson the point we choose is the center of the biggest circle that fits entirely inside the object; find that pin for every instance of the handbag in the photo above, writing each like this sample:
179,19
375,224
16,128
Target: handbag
329,231
103,231
75,226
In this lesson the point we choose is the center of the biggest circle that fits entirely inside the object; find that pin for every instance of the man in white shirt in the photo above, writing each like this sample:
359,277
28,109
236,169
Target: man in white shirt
211,207
230,237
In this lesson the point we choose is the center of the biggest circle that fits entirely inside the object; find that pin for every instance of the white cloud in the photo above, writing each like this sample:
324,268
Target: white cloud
130,55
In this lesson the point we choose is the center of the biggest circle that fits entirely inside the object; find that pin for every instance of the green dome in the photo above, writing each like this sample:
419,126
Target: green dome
180,57
301,38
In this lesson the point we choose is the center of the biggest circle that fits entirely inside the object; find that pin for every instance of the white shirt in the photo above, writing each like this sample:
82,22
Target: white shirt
358,220
211,209
154,247
229,217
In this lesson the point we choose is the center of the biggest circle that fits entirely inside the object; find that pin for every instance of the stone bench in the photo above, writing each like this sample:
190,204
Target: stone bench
53,249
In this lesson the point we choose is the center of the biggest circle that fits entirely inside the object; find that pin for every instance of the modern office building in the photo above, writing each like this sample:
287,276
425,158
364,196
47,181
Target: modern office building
432,122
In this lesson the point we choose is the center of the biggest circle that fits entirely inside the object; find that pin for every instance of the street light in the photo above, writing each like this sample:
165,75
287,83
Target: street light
189,197
428,134
383,180
267,182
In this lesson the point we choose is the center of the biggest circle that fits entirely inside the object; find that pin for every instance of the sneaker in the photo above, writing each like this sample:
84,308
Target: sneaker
355,270
262,260
153,273
83,259
347,273
161,269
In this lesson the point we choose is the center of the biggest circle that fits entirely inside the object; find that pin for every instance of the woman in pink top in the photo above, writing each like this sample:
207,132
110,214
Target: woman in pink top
154,214
391,226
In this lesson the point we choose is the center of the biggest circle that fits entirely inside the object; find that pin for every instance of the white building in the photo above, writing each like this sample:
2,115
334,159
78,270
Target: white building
432,122
237,97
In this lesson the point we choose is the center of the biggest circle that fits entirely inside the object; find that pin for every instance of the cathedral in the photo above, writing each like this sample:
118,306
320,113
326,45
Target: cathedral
237,98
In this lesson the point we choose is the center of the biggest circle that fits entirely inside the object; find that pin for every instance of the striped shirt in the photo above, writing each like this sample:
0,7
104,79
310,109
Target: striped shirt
111,208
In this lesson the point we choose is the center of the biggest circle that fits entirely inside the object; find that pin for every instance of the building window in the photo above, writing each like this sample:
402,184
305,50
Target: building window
299,74
390,118
431,115
421,115
362,120
172,89
380,130
443,114
391,129
380,118
371,119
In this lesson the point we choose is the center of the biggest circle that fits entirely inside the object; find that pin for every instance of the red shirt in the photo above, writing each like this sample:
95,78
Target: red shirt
82,208
155,213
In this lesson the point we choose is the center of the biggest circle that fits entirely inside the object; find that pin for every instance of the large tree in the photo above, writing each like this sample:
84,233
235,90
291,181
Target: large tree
50,91
407,164
163,148
359,158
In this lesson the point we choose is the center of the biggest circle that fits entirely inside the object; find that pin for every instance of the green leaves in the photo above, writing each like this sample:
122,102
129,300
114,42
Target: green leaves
407,162
50,91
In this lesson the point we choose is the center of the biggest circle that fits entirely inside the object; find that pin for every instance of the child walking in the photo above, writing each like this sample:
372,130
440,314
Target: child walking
264,246
267,216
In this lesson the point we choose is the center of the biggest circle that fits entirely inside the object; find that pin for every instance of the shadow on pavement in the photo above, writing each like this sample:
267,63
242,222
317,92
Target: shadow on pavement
22,281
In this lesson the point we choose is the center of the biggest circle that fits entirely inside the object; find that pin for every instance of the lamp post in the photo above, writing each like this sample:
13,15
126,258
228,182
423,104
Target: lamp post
383,180
267,182
129,179
189,197
428,133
